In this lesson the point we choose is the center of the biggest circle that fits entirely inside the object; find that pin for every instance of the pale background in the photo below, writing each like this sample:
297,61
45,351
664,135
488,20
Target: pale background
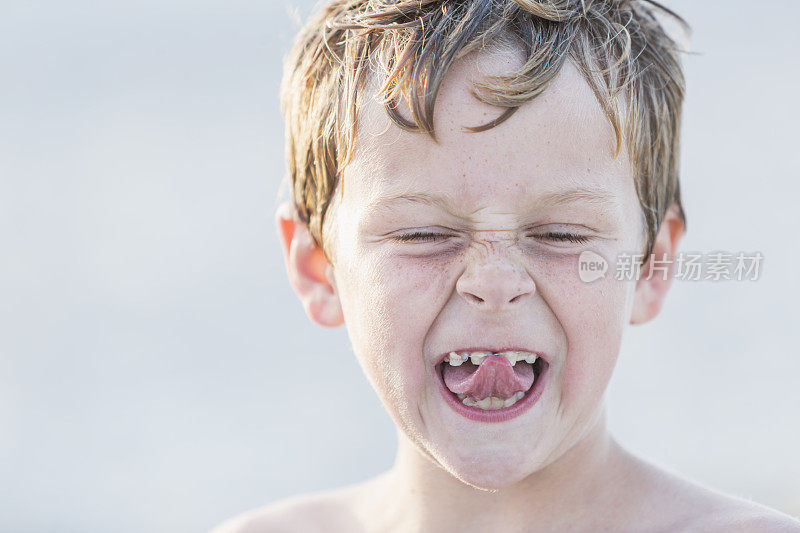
153,358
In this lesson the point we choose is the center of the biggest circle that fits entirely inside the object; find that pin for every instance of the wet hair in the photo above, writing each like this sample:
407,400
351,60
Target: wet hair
621,47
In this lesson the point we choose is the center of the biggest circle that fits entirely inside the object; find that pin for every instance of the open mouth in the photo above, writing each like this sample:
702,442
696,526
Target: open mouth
492,386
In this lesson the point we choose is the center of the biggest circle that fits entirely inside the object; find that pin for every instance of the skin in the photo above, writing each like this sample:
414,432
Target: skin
494,277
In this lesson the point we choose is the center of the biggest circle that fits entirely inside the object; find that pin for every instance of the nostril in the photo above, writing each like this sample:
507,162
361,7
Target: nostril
474,298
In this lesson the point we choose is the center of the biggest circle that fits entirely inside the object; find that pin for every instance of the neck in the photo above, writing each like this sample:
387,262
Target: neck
418,494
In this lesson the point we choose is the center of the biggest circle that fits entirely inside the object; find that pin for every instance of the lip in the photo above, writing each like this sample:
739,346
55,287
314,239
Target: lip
441,357
498,415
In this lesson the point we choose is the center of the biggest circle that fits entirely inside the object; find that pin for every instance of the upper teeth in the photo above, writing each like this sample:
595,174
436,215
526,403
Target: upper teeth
457,358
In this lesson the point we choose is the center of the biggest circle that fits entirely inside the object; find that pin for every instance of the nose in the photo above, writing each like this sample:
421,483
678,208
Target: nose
493,282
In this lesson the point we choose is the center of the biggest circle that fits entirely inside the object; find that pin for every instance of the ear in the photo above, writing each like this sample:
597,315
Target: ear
310,273
656,274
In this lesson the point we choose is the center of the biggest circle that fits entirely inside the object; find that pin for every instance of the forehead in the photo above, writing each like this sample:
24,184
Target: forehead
561,140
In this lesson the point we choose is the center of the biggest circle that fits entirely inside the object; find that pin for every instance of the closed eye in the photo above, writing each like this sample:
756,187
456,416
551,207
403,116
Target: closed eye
564,237
423,236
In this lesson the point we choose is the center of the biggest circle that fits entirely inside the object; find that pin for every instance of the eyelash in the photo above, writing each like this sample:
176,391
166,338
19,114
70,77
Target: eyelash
419,235
430,237
571,237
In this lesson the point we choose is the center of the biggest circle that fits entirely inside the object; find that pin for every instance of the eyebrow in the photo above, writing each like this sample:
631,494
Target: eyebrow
434,200
594,195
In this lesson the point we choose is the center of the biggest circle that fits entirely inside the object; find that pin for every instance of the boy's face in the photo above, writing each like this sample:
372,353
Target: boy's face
496,278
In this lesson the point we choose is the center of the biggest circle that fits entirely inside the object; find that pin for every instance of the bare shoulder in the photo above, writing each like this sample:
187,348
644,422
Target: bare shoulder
674,503
729,513
328,511
764,520
325,511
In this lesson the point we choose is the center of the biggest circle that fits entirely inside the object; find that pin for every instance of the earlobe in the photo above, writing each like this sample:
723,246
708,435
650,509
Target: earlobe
310,273
656,274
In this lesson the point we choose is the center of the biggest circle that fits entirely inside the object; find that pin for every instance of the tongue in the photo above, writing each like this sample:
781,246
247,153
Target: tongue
494,377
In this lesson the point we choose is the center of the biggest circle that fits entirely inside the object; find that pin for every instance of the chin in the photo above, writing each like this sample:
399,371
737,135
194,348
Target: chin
494,471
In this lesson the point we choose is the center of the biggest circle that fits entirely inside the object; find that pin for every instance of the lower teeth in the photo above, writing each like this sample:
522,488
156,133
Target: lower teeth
491,403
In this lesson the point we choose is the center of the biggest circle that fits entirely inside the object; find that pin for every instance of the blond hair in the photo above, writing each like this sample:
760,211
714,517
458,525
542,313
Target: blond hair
620,47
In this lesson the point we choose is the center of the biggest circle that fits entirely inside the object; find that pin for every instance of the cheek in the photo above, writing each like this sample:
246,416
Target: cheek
389,304
593,317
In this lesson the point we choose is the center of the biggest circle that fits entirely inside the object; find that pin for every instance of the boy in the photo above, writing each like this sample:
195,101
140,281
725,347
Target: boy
449,244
